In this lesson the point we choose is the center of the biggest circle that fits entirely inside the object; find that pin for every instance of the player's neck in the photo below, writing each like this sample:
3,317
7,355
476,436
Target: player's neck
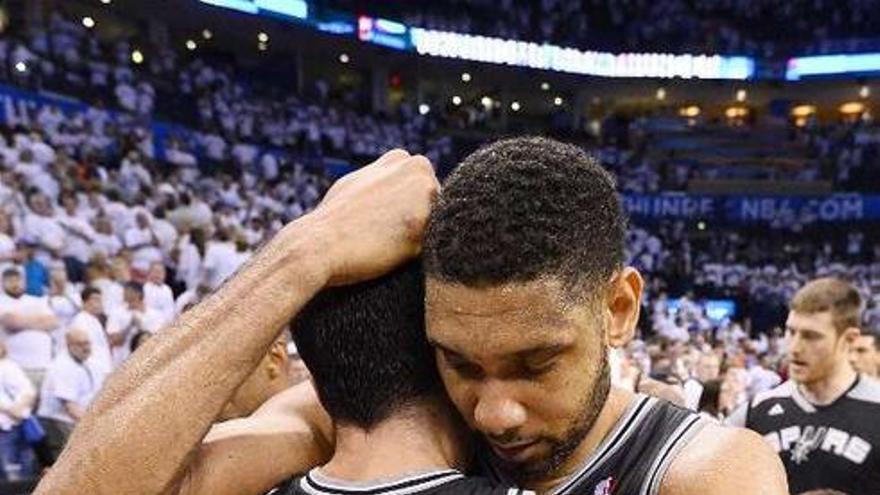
419,439
826,391
615,406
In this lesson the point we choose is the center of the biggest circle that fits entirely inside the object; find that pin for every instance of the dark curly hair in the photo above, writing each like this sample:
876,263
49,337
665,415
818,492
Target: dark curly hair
366,348
520,209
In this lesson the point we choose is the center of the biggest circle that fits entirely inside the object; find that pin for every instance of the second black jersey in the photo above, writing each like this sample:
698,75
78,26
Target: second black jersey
822,447
634,455
434,483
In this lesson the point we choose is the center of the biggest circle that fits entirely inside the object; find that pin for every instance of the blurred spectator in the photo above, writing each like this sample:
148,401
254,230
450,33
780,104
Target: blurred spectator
93,322
17,399
69,388
27,322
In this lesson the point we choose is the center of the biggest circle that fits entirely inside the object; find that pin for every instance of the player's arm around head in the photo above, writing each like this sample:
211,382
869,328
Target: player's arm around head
722,460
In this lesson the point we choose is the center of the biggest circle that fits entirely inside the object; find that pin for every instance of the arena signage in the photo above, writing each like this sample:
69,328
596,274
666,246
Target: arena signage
297,9
827,65
753,209
383,32
570,60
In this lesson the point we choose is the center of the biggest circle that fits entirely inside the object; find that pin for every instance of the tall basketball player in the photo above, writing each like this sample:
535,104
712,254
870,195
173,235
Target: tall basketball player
823,421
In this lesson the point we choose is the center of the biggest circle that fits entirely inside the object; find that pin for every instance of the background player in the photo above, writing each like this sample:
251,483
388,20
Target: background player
823,421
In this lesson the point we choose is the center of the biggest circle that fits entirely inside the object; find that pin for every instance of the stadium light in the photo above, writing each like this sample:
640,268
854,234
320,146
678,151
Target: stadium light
736,112
661,94
191,45
106,2
741,95
456,100
701,225
852,108
207,34
424,109
515,106
690,111
344,58
864,91
545,86
21,67
262,46
558,101
137,57
88,22
803,110
465,77
487,102
262,37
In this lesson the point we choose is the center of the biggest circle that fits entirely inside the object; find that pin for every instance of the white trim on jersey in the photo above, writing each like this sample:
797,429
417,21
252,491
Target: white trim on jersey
613,441
787,390
677,441
325,486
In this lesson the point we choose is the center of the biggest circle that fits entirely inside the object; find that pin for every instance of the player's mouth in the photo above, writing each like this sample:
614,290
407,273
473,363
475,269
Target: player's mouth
514,452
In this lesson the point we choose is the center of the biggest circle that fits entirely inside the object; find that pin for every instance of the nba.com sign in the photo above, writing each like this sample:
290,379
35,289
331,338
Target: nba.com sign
753,209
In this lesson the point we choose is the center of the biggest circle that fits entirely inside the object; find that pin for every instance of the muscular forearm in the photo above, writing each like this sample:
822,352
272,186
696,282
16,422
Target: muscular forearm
167,396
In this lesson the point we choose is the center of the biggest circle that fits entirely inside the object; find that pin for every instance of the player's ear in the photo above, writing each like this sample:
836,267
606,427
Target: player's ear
277,359
623,304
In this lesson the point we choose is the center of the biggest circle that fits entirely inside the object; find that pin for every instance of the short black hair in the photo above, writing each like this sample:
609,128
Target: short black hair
89,292
366,348
136,287
523,208
11,272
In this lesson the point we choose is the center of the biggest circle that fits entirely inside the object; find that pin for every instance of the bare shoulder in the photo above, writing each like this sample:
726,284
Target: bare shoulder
289,434
726,461
294,409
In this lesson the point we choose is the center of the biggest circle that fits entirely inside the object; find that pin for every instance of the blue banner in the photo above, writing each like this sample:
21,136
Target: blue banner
753,209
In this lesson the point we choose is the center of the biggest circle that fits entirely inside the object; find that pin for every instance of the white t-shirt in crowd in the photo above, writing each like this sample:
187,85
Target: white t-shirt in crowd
67,304
13,384
161,298
112,294
101,359
220,263
7,247
166,233
77,246
145,255
693,391
67,381
47,232
31,349
189,265
124,320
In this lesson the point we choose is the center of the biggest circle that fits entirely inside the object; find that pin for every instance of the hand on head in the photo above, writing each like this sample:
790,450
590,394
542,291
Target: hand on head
374,219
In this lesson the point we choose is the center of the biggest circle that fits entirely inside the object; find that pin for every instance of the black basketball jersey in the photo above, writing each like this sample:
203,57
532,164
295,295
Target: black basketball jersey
436,483
634,455
822,447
